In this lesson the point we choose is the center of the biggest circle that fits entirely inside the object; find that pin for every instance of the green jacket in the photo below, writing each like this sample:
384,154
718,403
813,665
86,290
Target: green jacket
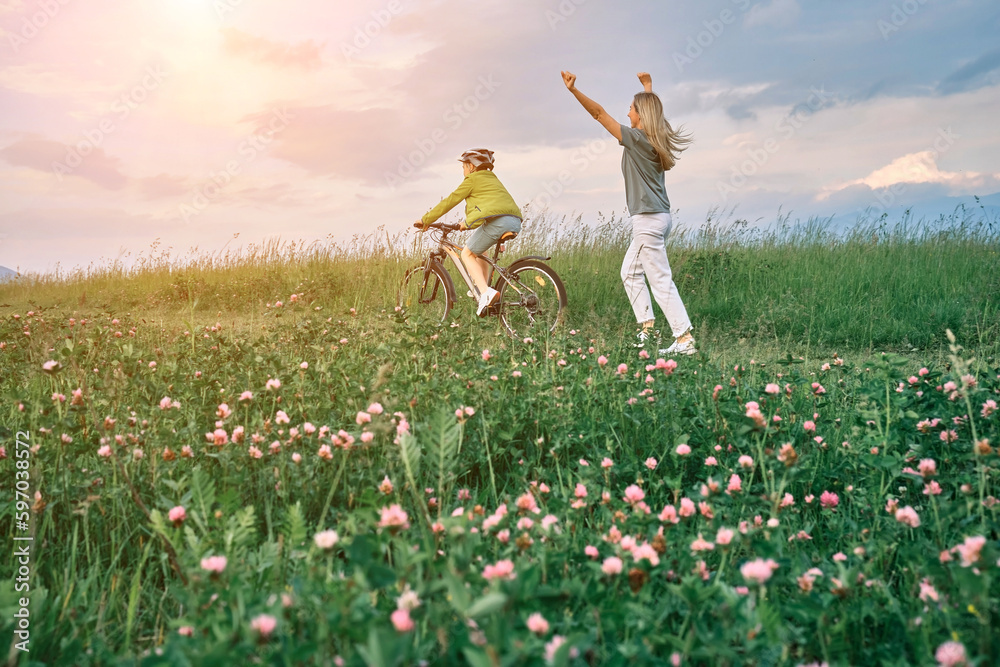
484,195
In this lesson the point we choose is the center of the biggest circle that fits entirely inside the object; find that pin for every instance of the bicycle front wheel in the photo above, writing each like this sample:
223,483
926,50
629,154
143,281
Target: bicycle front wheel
423,294
532,304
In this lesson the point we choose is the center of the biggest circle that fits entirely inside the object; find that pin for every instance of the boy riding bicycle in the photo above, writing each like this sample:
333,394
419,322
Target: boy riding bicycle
489,209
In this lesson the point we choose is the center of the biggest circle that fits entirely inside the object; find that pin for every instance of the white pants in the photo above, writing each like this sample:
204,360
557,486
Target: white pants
647,259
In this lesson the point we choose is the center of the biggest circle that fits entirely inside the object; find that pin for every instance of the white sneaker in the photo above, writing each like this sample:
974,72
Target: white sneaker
645,336
686,348
486,299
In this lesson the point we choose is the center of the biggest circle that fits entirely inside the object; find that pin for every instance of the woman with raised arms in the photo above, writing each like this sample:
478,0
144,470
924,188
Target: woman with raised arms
651,148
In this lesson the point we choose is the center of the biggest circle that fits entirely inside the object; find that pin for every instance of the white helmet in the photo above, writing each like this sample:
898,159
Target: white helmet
478,157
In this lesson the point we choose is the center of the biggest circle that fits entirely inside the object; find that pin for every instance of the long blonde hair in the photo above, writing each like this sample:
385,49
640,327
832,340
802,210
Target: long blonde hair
668,142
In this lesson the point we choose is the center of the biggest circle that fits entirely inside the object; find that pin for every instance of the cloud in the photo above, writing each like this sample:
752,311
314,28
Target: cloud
356,145
973,75
741,139
920,168
279,194
742,102
63,226
883,87
162,185
306,54
701,96
527,48
56,158
778,13
38,79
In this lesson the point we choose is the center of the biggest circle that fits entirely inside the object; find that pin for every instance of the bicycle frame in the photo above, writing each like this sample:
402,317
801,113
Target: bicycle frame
447,247
454,252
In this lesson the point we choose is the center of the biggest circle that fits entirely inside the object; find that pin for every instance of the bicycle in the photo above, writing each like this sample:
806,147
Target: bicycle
532,296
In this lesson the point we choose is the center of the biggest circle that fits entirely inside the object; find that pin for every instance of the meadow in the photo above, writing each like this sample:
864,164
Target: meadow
253,457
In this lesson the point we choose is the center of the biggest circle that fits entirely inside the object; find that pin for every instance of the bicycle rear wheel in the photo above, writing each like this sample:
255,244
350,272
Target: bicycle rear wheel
423,295
533,304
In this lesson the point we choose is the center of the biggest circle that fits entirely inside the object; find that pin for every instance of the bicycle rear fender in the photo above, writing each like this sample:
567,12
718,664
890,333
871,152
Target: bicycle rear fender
526,257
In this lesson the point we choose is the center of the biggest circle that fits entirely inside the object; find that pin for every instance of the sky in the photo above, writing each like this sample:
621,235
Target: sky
182,127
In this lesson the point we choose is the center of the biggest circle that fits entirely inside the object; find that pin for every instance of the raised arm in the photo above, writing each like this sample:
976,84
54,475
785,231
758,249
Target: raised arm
593,108
646,81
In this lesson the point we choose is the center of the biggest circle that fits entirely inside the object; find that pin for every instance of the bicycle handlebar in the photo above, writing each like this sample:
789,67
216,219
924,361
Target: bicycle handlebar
440,225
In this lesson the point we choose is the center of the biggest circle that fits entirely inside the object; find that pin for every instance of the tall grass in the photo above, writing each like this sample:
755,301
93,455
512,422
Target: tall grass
879,284
875,285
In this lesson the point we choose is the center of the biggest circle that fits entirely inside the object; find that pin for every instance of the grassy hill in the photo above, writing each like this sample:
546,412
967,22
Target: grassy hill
880,285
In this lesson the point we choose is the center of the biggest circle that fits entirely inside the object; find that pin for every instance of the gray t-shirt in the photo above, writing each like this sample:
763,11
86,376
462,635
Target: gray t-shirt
645,191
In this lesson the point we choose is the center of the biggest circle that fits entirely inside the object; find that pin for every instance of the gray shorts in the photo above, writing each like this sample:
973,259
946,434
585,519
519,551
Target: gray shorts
489,232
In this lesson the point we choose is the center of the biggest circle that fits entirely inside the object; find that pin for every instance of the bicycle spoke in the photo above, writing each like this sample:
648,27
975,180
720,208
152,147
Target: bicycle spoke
423,295
533,298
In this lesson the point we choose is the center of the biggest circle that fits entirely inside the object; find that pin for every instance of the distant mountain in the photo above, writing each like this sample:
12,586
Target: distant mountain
7,274
930,209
